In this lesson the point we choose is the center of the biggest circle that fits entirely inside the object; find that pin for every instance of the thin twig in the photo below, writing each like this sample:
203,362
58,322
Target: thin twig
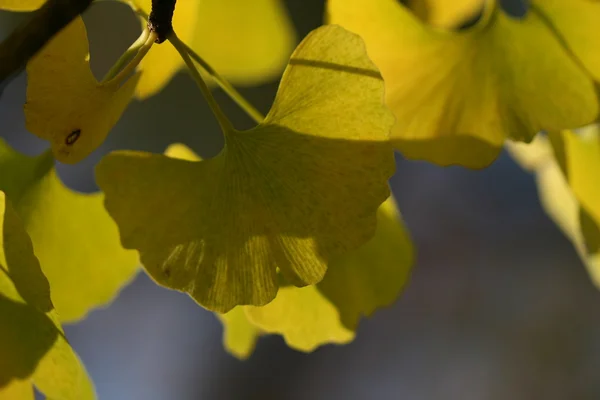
29,38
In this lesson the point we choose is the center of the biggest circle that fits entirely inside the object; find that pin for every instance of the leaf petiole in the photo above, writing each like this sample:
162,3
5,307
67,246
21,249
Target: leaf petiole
226,86
224,122
130,67
127,55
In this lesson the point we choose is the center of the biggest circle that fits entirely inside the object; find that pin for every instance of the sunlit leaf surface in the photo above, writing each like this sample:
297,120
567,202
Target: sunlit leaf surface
66,105
297,190
458,95
248,42
32,343
239,334
74,238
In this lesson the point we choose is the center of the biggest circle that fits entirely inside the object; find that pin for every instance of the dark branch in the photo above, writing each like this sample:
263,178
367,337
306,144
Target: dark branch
161,19
32,35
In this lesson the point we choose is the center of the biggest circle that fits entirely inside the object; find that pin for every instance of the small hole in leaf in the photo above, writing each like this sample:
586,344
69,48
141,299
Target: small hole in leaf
72,138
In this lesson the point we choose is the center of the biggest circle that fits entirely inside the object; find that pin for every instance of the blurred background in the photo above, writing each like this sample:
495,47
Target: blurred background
498,307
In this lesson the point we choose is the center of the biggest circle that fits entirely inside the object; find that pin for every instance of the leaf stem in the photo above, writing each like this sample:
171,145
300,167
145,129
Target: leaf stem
222,82
121,62
226,86
224,122
141,53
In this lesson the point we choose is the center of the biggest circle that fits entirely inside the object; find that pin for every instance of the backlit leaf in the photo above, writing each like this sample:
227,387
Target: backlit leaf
576,22
66,105
583,169
458,95
239,334
74,238
21,5
557,197
293,192
303,316
32,343
356,284
247,42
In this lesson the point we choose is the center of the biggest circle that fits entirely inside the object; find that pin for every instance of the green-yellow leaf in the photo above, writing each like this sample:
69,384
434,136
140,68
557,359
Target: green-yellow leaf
303,316
21,5
239,334
293,192
32,343
583,169
557,197
74,238
247,42
576,22
458,95
356,284
66,105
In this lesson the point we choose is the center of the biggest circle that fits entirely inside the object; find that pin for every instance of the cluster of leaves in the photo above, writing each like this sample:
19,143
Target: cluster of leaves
291,228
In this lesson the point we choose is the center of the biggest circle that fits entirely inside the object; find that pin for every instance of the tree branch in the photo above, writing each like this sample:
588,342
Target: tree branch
27,39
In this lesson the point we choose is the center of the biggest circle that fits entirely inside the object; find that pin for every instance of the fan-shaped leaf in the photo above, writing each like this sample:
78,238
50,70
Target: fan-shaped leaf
458,95
65,103
289,194
74,238
32,343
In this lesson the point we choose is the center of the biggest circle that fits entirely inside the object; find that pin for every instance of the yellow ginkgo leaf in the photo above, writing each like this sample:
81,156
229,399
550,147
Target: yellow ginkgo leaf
17,390
303,316
66,105
32,343
239,334
356,284
457,95
21,5
301,187
444,13
583,169
247,42
576,22
74,238
556,196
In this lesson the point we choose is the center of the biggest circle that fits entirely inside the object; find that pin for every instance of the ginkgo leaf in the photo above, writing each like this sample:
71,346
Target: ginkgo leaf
74,238
239,334
21,5
303,316
356,284
291,193
444,13
66,105
247,42
576,22
32,343
457,95
556,196
583,169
